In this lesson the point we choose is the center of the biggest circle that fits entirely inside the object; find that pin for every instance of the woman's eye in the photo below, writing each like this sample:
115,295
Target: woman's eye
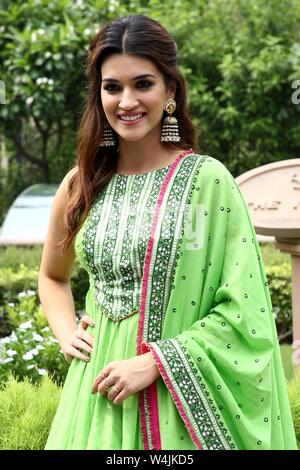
108,87
143,83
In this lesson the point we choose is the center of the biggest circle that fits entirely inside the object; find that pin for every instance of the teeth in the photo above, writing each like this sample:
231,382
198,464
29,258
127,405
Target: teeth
131,118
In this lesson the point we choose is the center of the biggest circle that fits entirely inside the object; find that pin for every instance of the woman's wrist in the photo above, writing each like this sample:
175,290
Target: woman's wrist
154,367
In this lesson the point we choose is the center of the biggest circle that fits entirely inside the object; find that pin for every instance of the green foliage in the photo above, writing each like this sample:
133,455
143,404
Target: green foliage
26,308
240,74
279,273
19,268
294,399
28,347
43,50
26,413
32,352
13,256
13,282
239,59
279,278
79,285
272,256
31,349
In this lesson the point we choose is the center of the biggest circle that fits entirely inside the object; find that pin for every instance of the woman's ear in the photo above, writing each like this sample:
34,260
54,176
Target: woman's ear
172,91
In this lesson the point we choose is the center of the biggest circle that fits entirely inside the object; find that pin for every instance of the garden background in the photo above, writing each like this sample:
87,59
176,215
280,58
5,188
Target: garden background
239,59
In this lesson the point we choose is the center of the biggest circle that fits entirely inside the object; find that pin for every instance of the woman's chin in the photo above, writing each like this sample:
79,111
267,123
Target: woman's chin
132,138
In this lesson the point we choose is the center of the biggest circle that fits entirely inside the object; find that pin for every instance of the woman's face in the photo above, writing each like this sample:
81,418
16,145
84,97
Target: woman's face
125,92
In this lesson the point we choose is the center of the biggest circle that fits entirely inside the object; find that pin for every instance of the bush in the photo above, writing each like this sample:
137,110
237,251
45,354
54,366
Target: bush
294,398
31,349
272,256
28,347
12,256
279,274
14,281
279,278
29,353
27,308
12,284
26,413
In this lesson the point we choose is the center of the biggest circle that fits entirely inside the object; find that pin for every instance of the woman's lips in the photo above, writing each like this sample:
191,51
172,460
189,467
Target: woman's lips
131,123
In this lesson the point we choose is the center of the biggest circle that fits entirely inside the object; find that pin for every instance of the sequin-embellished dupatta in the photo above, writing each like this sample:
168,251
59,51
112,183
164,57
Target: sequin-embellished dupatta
206,315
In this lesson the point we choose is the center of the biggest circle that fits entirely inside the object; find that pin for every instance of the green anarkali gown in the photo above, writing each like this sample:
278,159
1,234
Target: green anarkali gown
175,268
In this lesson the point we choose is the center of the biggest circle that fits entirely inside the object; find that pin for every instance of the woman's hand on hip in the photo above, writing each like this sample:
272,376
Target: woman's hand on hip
79,340
126,377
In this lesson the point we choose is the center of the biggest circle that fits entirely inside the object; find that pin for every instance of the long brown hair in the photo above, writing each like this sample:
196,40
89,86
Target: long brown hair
134,34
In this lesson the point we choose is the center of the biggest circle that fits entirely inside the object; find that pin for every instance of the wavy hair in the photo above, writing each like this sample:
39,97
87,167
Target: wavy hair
95,165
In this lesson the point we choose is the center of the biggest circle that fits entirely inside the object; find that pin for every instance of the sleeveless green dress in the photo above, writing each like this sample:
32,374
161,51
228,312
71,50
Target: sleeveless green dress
111,246
175,268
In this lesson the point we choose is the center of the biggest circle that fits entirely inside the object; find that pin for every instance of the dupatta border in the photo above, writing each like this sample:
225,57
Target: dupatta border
199,412
191,396
151,318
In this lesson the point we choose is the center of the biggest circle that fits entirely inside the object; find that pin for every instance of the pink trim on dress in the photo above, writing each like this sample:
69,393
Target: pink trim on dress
151,392
175,397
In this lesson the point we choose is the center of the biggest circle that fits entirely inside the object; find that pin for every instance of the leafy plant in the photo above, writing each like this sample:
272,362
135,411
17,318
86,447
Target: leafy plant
30,352
26,413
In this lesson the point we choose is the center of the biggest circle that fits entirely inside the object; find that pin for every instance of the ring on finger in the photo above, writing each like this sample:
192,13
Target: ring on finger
107,384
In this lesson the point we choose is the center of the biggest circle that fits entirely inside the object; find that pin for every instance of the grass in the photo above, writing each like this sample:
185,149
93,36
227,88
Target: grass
286,356
294,399
26,413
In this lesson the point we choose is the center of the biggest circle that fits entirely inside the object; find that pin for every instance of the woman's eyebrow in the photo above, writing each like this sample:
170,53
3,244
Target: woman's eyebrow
144,75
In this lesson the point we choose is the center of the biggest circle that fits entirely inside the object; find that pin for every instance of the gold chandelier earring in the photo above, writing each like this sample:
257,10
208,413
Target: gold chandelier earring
108,138
169,131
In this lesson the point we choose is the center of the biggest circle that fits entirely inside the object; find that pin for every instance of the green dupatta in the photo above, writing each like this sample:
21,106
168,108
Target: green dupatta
206,315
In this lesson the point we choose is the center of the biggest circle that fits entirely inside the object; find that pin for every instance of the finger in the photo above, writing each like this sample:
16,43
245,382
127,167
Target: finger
100,377
113,392
86,320
121,397
81,334
79,344
104,386
75,353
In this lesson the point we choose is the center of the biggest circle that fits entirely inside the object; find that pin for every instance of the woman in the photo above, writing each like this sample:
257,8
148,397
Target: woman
178,347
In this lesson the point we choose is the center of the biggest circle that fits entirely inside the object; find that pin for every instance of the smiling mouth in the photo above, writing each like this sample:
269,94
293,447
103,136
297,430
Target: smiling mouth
131,119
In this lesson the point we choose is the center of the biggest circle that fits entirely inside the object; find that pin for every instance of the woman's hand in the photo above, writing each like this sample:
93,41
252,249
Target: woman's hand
126,377
79,339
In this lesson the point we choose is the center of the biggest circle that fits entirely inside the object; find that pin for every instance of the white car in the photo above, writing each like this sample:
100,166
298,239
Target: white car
27,219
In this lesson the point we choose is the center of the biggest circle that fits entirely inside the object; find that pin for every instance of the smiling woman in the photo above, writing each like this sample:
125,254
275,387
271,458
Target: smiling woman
134,107
178,346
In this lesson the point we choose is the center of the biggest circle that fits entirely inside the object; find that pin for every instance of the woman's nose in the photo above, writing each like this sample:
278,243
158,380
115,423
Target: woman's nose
128,100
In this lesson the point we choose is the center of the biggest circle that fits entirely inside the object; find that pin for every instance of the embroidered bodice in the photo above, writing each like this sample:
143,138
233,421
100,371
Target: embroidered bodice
114,240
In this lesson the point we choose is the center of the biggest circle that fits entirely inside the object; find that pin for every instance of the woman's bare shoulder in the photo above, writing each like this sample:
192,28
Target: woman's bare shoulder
73,171
62,192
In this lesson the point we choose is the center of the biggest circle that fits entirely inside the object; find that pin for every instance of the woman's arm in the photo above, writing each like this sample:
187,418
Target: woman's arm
54,279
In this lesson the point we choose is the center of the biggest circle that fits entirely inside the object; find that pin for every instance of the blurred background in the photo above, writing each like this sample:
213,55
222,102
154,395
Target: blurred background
241,62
